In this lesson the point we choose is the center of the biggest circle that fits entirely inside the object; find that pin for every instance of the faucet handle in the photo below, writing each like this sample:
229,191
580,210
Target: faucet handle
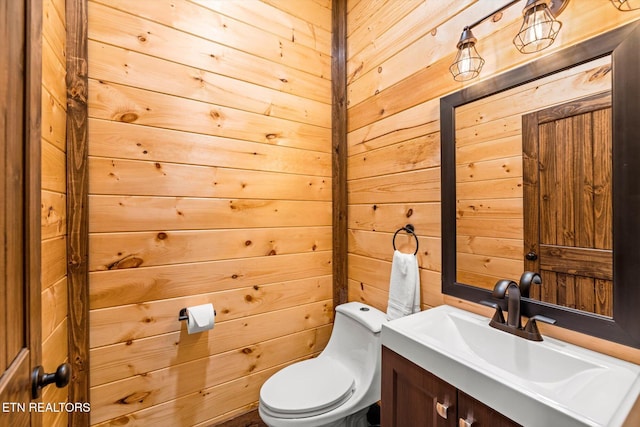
544,319
531,327
497,316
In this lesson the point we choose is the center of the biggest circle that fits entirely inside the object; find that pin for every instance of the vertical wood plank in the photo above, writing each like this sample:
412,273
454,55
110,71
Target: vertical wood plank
339,149
548,194
564,180
531,193
585,293
13,190
602,179
77,199
3,283
570,293
604,297
583,154
33,252
4,118
548,290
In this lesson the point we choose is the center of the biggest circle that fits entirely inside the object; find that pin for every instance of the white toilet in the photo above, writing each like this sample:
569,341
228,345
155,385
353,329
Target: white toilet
336,388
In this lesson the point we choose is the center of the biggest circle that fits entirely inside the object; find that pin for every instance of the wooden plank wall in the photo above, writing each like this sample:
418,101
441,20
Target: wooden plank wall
54,218
398,57
210,181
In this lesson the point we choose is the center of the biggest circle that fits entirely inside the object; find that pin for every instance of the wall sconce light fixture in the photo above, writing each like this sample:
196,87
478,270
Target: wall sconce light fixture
539,29
626,5
468,62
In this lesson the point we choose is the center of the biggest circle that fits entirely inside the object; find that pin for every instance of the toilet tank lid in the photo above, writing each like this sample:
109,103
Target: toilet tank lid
368,316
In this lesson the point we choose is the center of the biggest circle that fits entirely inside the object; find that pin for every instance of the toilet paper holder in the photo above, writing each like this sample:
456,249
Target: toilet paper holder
182,315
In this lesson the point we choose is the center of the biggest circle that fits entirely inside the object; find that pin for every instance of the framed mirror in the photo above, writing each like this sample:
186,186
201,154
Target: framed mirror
510,146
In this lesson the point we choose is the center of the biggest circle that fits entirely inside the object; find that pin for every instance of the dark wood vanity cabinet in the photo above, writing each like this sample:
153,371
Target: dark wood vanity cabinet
477,414
413,397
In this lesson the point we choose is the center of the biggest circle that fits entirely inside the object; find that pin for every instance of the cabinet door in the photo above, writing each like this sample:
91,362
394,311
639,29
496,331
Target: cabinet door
413,397
472,413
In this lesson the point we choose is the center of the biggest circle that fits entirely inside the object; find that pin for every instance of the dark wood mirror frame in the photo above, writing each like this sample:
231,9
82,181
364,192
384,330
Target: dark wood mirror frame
624,46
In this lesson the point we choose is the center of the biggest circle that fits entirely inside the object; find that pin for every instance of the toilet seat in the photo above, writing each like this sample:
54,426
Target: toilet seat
307,389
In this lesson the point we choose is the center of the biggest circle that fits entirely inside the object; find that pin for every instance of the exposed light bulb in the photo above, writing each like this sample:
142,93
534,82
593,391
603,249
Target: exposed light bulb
464,63
468,62
539,28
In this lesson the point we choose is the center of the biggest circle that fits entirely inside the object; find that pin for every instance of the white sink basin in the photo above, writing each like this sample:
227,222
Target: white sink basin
548,383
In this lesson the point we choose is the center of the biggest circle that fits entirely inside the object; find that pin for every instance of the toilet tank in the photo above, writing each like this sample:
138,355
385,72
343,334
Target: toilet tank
355,339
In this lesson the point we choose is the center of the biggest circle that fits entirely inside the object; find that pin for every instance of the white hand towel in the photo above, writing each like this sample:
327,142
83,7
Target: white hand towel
404,286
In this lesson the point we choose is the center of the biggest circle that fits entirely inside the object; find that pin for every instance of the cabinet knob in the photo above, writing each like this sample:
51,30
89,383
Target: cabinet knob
442,410
464,423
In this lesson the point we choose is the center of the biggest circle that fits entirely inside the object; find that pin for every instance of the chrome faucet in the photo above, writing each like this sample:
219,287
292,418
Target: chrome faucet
512,292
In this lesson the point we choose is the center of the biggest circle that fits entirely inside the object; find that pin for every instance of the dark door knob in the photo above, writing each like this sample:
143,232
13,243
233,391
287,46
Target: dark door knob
531,256
40,379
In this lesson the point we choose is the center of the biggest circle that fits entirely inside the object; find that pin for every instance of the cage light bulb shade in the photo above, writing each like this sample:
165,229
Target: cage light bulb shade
626,5
468,62
539,28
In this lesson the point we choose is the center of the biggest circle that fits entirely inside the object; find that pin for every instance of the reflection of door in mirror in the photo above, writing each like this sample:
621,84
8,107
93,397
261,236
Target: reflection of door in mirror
568,234
490,185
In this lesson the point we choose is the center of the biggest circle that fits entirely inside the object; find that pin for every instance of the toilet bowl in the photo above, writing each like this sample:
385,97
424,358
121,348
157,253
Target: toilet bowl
336,388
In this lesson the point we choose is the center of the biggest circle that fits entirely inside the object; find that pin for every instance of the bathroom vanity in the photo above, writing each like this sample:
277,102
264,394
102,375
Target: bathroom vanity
413,396
448,367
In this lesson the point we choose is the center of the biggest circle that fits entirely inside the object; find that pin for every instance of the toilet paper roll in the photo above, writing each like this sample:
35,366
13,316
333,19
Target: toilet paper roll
201,318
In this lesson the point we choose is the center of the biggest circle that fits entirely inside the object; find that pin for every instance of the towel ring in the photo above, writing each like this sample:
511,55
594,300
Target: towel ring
410,230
